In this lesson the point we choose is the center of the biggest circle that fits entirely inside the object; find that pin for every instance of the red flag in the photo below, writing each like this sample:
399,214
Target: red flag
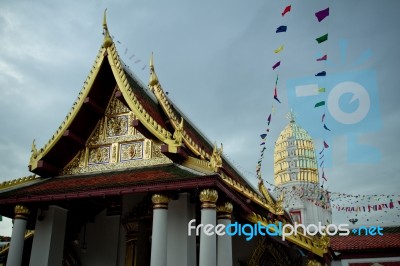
287,9
276,95
323,58
326,144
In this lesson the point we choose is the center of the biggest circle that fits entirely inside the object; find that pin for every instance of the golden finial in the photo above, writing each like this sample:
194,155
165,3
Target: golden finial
291,116
153,76
107,39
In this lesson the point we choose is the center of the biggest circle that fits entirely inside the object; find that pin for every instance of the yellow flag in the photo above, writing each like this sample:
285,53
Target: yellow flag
280,48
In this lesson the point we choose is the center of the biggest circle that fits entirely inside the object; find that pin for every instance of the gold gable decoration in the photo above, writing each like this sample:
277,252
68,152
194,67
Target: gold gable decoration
115,144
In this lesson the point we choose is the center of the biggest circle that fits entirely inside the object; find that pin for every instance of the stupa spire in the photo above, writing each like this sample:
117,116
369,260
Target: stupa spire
291,116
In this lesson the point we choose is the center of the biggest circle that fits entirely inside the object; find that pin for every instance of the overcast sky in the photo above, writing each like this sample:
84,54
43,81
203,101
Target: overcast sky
215,59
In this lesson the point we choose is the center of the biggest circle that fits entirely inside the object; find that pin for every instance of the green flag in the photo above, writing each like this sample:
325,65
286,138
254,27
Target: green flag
322,38
319,104
321,90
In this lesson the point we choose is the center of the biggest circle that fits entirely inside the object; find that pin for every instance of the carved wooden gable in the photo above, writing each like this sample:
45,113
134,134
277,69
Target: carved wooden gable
115,144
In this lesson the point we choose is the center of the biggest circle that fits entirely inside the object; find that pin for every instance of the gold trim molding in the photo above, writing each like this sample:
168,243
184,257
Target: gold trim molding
225,211
160,201
208,198
21,212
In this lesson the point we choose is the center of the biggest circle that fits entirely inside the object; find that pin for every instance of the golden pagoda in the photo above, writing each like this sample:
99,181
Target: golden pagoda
294,155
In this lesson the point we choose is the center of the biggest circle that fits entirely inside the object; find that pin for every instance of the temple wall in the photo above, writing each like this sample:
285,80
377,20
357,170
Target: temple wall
102,238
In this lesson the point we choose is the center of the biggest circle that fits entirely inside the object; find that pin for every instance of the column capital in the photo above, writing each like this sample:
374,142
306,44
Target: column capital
21,212
224,211
208,198
160,201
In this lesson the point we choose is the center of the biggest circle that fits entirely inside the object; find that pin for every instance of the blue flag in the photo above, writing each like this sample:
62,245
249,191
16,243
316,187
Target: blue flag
281,29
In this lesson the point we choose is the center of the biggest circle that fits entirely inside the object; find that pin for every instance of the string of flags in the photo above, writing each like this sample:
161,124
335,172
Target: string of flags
132,57
321,15
264,135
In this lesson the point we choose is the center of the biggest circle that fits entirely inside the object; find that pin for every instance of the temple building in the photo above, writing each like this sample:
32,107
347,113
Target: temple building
296,176
124,176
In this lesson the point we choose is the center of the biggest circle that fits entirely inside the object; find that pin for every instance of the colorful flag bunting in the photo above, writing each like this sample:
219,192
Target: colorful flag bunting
281,29
322,14
280,48
326,127
318,104
326,145
276,65
286,10
322,38
323,58
321,74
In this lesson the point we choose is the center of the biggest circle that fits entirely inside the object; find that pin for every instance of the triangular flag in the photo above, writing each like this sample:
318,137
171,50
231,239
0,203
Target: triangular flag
326,145
321,74
276,95
277,78
323,117
326,128
322,14
269,119
287,9
276,65
321,103
280,48
262,143
323,58
322,38
263,136
321,90
281,29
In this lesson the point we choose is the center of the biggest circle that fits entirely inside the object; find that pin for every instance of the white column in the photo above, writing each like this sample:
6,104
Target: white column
48,241
181,247
208,243
224,242
18,236
159,233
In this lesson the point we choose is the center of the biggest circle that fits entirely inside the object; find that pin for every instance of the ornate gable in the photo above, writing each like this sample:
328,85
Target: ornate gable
115,144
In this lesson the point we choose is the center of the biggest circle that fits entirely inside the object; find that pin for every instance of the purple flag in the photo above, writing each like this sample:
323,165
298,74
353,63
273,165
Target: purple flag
276,65
322,14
